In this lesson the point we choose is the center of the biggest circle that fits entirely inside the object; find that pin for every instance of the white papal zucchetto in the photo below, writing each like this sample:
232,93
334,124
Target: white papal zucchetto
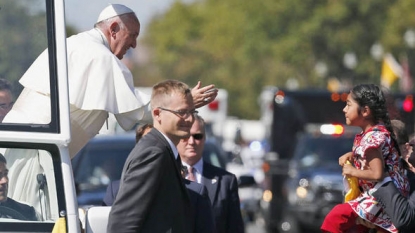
113,10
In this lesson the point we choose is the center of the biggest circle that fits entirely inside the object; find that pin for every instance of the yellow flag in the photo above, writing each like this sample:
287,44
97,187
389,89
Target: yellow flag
60,226
391,70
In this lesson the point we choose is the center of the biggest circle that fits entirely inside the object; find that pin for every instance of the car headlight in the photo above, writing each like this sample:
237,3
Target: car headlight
267,196
301,192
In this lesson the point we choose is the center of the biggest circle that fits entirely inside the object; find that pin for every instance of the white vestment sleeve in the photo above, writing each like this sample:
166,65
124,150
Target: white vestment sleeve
142,115
98,80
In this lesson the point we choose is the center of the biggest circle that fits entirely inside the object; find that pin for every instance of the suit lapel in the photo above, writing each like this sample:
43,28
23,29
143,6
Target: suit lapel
210,181
173,160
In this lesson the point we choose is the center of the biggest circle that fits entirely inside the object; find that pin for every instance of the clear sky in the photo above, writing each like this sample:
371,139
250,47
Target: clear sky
82,14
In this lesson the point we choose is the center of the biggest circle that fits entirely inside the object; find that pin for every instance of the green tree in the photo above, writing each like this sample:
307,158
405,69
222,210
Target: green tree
23,38
244,45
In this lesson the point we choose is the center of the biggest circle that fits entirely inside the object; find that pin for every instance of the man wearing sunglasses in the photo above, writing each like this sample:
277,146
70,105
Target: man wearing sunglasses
221,185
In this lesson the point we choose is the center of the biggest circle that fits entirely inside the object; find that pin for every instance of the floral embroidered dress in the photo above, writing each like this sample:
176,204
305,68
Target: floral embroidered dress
365,205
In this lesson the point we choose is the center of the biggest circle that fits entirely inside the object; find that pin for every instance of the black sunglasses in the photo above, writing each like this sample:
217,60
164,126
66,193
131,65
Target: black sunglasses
197,136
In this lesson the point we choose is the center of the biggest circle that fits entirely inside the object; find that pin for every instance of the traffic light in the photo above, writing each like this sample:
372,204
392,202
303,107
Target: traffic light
408,104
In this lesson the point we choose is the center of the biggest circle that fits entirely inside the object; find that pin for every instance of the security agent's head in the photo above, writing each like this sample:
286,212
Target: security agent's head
191,148
4,179
142,130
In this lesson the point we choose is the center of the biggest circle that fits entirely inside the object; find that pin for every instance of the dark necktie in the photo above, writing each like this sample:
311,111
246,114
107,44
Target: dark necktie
182,169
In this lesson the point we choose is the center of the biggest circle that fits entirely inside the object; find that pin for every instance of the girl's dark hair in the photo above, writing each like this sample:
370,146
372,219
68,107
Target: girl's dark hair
373,97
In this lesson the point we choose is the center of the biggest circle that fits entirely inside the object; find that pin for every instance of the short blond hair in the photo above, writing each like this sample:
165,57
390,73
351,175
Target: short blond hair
163,90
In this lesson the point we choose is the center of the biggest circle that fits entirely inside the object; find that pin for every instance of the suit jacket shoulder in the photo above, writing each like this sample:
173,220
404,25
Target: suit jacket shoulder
400,209
26,212
210,170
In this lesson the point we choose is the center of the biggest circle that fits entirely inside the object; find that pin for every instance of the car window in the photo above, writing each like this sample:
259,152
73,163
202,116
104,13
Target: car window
321,150
35,187
213,155
27,32
100,163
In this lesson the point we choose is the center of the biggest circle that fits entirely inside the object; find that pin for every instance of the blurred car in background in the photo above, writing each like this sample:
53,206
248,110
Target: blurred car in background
313,180
102,159
247,166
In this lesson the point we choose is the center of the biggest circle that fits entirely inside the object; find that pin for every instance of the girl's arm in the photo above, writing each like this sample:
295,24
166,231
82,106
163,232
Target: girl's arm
373,166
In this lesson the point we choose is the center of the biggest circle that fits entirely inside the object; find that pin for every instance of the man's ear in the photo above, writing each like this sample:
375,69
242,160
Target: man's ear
156,113
114,27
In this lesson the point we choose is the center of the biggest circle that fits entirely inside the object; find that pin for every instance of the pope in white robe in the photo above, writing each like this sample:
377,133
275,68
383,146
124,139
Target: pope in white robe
99,84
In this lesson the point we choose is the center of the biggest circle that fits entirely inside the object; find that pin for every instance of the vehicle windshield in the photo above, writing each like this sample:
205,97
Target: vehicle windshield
100,163
313,151
212,154
26,35
33,180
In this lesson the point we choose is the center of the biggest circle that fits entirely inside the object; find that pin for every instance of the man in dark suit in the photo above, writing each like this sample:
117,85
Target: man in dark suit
201,220
10,208
152,196
202,217
221,185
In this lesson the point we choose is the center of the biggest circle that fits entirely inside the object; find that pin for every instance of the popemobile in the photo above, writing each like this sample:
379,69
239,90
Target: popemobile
37,191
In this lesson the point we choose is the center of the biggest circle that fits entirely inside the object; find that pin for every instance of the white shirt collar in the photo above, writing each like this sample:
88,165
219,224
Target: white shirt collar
103,38
198,166
172,146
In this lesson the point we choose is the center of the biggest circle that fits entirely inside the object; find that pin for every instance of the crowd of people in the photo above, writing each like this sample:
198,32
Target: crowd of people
165,185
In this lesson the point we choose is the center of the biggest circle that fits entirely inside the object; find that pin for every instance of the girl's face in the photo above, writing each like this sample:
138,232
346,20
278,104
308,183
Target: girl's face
351,112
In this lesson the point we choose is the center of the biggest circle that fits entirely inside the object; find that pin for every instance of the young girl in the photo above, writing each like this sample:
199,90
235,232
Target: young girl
374,151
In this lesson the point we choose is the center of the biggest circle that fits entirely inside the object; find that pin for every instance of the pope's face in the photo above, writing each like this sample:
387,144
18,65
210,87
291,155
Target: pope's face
4,182
126,37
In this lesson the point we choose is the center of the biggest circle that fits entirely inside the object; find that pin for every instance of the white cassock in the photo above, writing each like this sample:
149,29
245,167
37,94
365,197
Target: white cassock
99,83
